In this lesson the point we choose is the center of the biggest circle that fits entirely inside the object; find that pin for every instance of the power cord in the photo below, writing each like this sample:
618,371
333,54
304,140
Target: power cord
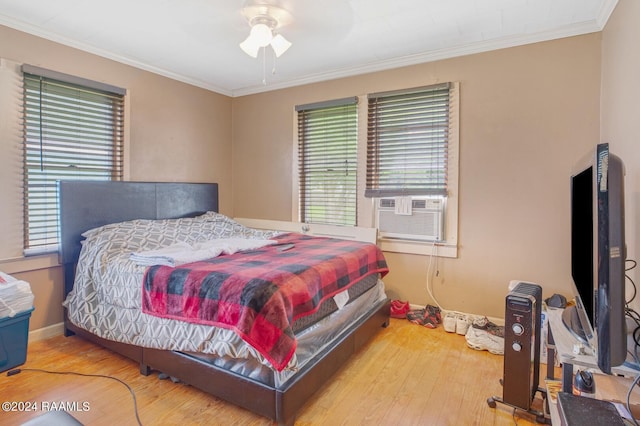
73,373
514,417
635,382
635,289
636,335
631,313
434,254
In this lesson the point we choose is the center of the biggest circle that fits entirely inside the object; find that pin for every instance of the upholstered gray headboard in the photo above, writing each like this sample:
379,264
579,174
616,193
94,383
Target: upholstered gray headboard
88,204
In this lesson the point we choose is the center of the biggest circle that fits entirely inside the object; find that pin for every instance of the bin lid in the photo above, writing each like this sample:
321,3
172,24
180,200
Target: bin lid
15,296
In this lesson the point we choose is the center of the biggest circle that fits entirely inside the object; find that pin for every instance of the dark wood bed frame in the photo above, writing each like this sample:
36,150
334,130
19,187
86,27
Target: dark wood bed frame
86,205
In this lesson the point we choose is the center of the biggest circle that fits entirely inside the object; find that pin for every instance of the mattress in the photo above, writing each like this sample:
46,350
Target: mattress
106,299
312,340
330,306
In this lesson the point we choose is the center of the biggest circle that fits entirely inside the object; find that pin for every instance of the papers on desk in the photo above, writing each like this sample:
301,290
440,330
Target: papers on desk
553,388
622,410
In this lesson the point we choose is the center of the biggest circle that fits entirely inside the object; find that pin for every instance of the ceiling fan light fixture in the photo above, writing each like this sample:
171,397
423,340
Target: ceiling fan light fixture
261,34
264,19
250,47
280,45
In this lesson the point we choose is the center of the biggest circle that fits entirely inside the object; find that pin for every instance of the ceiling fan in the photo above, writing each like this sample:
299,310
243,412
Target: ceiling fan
265,19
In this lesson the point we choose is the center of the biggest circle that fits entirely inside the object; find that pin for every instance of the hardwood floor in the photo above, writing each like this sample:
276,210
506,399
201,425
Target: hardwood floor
407,375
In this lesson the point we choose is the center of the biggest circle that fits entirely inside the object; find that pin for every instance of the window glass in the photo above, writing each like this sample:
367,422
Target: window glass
71,131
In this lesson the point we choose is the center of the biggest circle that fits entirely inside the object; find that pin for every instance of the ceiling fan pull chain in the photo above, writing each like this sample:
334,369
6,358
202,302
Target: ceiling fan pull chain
273,70
264,66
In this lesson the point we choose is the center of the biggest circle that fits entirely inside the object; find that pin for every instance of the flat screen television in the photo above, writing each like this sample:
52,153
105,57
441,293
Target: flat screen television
598,254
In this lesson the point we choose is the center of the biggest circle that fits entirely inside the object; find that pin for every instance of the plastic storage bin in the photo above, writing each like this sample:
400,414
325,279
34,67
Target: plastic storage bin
14,336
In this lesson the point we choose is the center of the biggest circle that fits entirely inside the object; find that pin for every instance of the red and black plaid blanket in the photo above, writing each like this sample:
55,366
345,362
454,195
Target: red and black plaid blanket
259,294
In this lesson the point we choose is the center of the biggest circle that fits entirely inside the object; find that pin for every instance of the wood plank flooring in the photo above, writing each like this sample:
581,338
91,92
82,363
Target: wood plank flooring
407,375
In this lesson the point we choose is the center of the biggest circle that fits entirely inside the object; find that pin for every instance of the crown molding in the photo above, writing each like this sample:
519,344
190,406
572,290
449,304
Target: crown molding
581,28
51,36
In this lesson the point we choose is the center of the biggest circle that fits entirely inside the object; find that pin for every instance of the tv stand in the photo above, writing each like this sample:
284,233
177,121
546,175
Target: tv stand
570,319
565,343
570,351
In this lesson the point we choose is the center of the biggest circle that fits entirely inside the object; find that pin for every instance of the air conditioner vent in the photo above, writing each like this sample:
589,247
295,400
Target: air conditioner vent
425,223
388,202
419,204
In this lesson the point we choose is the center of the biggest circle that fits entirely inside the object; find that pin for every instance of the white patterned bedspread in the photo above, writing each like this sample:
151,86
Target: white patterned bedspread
106,299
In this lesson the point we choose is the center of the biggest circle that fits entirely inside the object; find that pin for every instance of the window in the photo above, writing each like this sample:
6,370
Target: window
407,142
327,159
412,153
73,129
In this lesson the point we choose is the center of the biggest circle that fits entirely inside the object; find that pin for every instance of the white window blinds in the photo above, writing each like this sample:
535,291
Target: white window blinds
73,129
327,158
407,142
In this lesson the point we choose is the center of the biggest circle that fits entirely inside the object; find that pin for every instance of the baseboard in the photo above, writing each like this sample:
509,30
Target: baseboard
46,332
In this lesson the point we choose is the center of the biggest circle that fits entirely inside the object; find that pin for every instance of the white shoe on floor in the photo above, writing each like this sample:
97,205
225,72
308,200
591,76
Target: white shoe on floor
462,324
482,340
449,322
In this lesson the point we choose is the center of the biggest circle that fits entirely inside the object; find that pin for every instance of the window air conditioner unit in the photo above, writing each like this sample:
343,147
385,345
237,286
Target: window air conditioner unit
425,223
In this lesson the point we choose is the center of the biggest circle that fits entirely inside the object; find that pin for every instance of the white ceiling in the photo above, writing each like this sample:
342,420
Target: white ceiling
196,41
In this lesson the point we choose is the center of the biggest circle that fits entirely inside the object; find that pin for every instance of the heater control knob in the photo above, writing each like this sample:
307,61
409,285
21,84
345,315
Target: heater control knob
516,346
518,329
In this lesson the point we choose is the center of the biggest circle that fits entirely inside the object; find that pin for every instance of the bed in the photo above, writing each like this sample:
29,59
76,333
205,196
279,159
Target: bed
276,390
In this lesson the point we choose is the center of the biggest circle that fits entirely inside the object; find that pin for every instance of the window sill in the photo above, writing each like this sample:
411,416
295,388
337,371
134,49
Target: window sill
31,263
423,248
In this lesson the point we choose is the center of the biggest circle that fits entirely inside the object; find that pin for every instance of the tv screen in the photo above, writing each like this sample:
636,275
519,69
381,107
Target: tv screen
598,257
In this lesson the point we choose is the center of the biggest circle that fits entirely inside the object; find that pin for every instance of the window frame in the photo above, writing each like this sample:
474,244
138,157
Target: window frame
448,247
320,147
407,142
366,206
100,160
